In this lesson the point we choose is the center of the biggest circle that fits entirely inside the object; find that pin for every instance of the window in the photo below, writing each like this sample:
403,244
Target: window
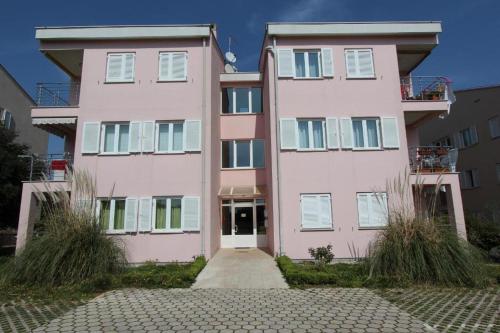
242,100
316,211
112,215
497,167
6,119
359,63
372,210
469,179
443,142
466,137
260,207
307,64
242,154
169,137
172,66
494,124
115,138
366,133
120,67
311,134
167,214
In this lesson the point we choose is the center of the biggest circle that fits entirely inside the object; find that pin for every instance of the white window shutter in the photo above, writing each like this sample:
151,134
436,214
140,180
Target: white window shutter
288,135
148,136
310,211
346,133
332,130
363,209
325,212
192,135
379,213
390,132
164,66
114,68
285,63
90,137
179,66
327,62
350,63
131,206
145,212
191,213
365,63
129,67
134,143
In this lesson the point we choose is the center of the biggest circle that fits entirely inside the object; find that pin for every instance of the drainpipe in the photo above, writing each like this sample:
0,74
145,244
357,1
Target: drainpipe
203,154
276,119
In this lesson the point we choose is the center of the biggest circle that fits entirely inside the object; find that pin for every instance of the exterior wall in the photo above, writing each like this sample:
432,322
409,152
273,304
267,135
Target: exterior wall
144,175
473,107
15,100
342,173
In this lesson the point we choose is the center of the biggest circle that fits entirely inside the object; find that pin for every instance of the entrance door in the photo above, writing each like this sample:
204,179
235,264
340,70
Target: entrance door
245,234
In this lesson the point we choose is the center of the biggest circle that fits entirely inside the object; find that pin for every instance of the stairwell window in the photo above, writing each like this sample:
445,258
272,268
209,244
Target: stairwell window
169,137
115,138
311,134
366,133
120,67
242,154
111,214
167,214
307,64
359,63
242,100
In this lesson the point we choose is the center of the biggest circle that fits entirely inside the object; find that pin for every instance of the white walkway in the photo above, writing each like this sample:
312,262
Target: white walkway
241,269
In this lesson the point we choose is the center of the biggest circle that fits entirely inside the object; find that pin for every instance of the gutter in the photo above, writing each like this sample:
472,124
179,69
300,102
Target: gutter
203,152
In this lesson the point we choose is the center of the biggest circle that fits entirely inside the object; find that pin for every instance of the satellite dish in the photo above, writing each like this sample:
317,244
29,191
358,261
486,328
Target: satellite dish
229,68
230,57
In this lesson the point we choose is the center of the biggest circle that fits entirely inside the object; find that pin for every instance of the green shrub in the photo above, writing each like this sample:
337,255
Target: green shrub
322,255
71,248
483,229
414,248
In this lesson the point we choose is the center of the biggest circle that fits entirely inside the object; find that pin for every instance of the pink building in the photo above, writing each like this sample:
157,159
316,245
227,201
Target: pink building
295,155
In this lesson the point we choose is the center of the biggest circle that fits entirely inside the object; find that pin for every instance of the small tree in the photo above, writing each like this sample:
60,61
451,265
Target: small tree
322,255
13,170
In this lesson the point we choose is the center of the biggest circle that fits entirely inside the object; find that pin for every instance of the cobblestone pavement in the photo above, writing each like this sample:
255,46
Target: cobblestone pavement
237,310
451,310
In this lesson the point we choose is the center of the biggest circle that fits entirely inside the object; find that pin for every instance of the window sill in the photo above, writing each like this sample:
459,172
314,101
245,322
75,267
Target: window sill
316,229
360,77
167,81
242,168
382,227
120,232
118,82
302,150
242,114
167,232
367,149
113,154
308,78
169,153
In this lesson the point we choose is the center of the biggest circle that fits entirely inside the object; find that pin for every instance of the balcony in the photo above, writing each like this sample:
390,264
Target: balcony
57,107
425,97
51,167
433,159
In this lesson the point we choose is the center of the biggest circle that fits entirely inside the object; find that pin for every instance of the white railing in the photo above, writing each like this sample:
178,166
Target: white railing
52,167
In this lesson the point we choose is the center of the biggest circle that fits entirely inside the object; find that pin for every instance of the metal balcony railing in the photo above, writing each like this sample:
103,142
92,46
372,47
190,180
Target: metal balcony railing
58,94
426,88
433,159
52,167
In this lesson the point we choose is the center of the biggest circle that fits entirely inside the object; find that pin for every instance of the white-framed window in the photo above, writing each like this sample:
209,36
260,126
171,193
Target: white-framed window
120,67
169,137
494,124
366,133
307,63
242,154
167,214
115,138
466,137
359,63
111,214
6,119
172,66
497,169
311,134
316,211
242,100
372,209
469,179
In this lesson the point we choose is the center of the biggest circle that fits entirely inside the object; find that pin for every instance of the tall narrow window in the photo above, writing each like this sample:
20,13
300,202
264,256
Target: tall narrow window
366,133
307,64
242,154
169,137
241,100
115,138
311,134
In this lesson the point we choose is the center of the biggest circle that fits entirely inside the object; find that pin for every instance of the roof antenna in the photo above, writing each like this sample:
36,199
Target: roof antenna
230,59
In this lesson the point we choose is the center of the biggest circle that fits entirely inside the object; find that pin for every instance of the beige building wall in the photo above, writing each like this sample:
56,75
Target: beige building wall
473,108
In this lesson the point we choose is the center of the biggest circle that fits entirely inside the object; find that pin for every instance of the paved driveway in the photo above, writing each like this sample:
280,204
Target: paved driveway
237,310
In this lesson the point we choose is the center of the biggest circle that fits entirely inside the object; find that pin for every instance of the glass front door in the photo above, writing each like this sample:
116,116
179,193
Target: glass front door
243,220
243,223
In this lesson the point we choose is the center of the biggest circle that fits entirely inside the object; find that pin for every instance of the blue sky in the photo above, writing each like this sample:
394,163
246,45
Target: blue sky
469,52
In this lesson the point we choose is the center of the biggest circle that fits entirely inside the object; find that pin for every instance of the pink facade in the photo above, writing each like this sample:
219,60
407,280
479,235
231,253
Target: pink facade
274,177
